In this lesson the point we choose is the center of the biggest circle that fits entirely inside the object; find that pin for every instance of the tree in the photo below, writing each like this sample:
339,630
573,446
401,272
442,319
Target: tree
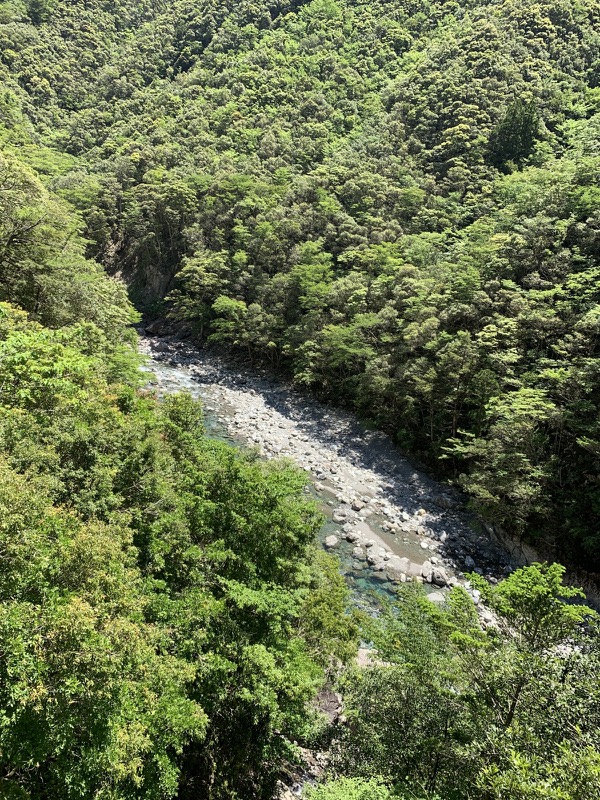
503,707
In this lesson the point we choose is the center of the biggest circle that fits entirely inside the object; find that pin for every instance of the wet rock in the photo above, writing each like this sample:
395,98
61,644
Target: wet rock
380,577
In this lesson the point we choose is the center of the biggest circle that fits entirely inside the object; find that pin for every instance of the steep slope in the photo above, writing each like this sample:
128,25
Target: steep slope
396,202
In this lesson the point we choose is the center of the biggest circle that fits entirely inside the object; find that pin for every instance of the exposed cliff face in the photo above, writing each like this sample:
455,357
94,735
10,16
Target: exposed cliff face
147,284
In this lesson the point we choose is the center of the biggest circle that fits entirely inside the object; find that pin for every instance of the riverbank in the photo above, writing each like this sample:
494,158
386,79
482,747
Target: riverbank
389,522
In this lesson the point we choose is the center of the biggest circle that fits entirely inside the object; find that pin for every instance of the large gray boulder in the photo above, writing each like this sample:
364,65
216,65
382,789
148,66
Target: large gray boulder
427,571
439,576
414,570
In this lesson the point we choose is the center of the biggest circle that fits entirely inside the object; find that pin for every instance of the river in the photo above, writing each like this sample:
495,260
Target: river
388,522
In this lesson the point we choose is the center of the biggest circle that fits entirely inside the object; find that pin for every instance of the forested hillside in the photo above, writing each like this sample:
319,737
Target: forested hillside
165,616
395,202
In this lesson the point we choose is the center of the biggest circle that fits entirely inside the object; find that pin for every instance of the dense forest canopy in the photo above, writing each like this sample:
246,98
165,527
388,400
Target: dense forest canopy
398,204
395,202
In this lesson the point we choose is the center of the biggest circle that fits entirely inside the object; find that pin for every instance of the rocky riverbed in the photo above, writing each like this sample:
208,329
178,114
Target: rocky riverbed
389,522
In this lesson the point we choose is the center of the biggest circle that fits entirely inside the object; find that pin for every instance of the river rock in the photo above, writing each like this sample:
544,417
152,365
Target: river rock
380,577
352,536
443,501
414,570
331,541
359,553
159,327
436,597
357,505
439,576
395,574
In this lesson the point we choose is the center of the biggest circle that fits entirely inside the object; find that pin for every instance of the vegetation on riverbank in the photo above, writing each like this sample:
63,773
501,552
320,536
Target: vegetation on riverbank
165,616
395,201
454,712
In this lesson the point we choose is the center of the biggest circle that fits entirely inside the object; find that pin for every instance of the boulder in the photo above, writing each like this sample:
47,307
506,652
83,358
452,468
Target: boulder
395,574
443,501
414,570
331,541
381,577
436,597
439,576
159,327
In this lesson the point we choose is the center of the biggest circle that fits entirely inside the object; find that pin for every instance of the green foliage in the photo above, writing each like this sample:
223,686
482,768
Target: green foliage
396,203
480,713
350,789
162,615
513,138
